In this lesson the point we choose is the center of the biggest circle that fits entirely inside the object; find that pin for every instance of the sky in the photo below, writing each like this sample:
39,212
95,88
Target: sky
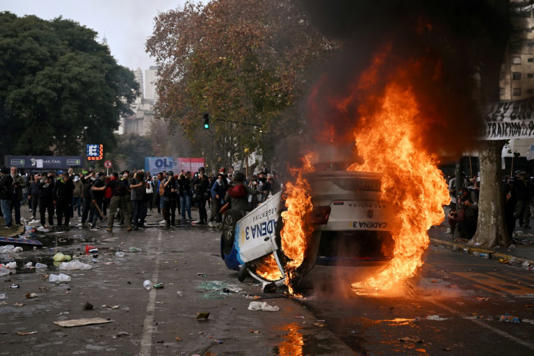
126,24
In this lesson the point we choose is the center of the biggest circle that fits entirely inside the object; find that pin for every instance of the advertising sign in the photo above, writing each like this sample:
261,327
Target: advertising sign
95,152
255,233
189,164
154,165
43,162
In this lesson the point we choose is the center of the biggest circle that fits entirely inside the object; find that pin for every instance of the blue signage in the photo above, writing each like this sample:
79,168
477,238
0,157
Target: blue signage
43,162
154,165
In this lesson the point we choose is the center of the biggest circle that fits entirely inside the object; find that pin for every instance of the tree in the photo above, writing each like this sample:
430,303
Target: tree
59,87
239,61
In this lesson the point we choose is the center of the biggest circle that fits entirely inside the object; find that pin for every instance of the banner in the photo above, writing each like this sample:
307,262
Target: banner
189,164
43,162
510,119
154,165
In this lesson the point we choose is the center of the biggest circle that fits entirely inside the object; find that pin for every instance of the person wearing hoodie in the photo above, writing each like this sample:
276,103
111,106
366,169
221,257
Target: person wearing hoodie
64,192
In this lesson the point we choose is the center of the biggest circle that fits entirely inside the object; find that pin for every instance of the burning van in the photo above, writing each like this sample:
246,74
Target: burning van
347,225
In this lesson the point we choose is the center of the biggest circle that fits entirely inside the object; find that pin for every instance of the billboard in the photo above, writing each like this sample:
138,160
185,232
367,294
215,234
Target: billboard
43,162
189,164
154,165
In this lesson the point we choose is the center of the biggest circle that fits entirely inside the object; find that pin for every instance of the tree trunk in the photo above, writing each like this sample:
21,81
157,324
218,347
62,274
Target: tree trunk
491,224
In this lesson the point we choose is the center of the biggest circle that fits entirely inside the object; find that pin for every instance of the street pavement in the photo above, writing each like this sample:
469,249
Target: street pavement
452,308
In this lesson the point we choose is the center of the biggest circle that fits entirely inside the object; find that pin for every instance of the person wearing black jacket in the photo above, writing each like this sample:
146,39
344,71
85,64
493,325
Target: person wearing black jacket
46,200
64,190
184,192
34,194
6,189
201,186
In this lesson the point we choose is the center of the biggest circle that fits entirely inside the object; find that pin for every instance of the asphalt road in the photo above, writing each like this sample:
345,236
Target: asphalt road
452,308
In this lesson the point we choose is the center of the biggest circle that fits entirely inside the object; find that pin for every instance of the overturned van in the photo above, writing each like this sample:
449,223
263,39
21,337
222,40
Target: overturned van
350,227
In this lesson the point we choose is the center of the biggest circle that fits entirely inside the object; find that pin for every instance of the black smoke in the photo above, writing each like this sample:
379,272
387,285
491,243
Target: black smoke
456,46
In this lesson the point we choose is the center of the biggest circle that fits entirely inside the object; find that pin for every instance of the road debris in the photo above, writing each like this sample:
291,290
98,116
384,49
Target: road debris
203,316
74,265
435,317
505,318
262,306
59,278
25,333
81,322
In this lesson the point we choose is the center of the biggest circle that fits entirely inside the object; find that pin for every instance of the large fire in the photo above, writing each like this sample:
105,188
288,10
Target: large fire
296,229
388,140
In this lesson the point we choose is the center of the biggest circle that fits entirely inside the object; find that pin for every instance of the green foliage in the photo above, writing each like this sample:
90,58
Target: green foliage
131,152
59,87
238,60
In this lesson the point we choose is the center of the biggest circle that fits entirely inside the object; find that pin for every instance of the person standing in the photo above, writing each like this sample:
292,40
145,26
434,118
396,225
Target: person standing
120,199
18,185
46,200
64,190
137,186
77,194
6,193
184,192
201,186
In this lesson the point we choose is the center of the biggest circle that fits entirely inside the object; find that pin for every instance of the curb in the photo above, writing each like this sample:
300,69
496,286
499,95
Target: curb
490,253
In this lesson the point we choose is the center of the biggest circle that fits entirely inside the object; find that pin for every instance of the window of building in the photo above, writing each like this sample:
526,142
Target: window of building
516,75
516,92
516,60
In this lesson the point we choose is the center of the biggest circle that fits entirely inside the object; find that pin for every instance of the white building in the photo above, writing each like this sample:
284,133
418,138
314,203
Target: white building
139,123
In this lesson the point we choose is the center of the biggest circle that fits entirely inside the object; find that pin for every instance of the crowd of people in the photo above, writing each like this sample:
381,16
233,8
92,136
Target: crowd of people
54,197
463,211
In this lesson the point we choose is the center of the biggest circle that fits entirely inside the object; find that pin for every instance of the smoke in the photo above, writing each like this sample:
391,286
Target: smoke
450,51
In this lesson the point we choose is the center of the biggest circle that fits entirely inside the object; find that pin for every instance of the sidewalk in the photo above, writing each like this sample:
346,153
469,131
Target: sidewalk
520,252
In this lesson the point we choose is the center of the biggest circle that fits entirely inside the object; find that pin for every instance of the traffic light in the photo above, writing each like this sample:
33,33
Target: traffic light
206,121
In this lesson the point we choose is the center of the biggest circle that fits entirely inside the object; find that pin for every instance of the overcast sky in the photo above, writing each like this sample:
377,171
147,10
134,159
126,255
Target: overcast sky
126,24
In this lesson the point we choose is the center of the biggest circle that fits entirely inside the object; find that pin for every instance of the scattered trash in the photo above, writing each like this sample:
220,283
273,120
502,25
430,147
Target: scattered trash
60,257
119,254
40,266
121,333
74,265
203,316
135,249
10,249
414,340
25,333
505,318
435,317
4,271
88,306
31,295
14,286
58,278
262,306
11,265
178,338
81,322
147,284
158,286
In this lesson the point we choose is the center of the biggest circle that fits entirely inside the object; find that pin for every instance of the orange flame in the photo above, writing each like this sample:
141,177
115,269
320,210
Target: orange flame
296,230
388,140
